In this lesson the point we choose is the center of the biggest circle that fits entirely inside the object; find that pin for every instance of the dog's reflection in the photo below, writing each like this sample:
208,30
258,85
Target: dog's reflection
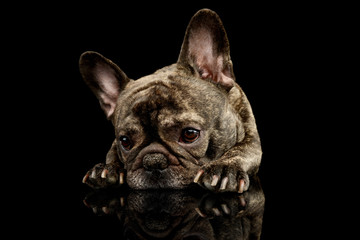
190,214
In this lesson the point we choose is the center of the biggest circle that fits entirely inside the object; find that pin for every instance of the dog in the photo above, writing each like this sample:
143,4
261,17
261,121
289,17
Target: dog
188,123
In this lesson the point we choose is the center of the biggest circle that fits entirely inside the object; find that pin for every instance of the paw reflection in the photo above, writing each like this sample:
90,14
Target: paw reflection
181,214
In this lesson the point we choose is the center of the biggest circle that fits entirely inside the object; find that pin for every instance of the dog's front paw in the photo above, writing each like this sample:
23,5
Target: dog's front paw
223,177
104,175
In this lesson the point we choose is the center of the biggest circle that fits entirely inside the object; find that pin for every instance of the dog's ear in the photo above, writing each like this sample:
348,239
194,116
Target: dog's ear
206,49
104,78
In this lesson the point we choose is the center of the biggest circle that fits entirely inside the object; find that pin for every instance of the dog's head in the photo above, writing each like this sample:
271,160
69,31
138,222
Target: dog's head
169,123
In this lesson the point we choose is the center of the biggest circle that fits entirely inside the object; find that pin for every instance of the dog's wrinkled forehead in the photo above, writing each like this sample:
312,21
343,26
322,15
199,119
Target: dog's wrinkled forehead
168,99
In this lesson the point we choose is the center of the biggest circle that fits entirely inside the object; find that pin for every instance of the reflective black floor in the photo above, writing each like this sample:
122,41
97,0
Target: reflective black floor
190,214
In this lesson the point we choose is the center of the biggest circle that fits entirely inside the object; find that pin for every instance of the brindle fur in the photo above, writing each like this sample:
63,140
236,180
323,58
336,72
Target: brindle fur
198,91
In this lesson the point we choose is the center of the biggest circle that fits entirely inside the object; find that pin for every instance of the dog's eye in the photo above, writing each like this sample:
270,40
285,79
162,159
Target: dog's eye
189,135
125,142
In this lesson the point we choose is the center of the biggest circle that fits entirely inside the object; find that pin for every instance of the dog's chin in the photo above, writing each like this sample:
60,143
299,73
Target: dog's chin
173,177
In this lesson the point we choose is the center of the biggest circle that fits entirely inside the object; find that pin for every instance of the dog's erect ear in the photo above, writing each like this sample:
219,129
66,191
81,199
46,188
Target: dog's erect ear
104,78
206,49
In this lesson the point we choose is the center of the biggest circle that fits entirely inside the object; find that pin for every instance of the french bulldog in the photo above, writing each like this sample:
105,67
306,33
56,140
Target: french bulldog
187,123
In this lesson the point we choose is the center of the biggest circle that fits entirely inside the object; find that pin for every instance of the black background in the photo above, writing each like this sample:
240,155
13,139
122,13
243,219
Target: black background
279,53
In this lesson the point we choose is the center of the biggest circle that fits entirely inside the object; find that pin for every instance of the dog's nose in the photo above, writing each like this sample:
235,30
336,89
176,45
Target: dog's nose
153,161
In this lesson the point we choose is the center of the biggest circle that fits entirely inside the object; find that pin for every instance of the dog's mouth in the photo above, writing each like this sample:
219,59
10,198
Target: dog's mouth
172,177
155,167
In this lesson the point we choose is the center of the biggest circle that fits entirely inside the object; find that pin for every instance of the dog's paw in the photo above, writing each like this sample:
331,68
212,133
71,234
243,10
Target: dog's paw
222,177
104,175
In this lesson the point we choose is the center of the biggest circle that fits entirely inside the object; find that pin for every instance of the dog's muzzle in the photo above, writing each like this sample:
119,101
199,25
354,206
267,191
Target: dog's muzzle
155,161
